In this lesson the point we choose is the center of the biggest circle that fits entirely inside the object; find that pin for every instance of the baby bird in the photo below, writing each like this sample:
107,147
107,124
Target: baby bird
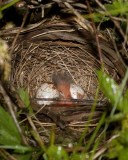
62,82
67,88
62,89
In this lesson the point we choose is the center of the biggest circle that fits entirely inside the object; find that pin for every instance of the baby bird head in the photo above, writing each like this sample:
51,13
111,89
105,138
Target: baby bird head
62,81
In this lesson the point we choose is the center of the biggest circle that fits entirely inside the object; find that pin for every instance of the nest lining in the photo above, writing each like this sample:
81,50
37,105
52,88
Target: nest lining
35,63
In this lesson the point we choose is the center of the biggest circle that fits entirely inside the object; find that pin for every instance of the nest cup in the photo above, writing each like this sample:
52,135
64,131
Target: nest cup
37,56
39,61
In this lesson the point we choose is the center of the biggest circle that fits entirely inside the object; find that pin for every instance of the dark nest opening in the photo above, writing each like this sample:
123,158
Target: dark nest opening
61,46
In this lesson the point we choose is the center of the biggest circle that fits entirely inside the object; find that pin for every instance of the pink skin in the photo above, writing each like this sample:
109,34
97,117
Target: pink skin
62,81
64,90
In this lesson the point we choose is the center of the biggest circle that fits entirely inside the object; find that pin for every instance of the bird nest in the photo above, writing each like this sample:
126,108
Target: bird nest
37,62
62,47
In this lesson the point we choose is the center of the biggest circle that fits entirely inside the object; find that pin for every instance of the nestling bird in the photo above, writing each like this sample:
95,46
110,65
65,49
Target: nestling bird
66,87
63,90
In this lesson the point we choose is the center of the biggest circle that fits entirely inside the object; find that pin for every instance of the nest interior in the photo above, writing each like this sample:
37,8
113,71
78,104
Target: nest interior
38,62
62,47
48,49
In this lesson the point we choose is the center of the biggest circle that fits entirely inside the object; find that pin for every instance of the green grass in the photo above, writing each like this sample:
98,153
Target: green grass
12,146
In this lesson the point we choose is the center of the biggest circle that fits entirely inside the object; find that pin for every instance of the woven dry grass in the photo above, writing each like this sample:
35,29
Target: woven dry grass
38,62
34,60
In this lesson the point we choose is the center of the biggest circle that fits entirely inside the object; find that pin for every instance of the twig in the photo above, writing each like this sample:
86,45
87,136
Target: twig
80,19
103,149
96,36
116,49
10,107
36,134
6,155
100,152
16,37
15,30
111,17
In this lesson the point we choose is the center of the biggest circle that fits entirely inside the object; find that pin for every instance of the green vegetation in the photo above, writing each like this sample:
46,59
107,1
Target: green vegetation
12,142
117,8
117,147
6,5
